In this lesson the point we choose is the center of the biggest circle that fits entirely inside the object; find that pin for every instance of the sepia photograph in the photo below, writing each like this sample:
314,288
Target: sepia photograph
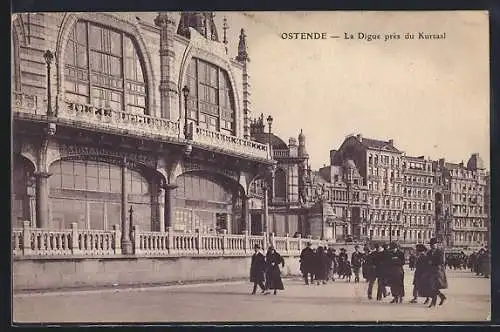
243,167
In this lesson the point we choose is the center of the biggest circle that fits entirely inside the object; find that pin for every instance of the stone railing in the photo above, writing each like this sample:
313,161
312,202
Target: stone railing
281,153
230,143
119,120
31,241
35,242
24,103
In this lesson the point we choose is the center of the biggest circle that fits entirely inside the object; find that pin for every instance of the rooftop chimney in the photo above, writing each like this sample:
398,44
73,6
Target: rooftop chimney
359,137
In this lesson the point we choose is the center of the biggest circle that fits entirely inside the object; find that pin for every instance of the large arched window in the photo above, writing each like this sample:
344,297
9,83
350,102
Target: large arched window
210,102
205,202
103,68
89,193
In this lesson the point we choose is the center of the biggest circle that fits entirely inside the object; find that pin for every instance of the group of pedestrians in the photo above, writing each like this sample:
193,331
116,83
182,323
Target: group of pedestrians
322,264
480,263
265,271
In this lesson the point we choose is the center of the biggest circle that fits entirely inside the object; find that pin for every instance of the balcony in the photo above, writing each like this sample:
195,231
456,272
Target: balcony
86,115
281,153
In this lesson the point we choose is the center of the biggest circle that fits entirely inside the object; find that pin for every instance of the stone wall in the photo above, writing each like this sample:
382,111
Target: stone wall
68,272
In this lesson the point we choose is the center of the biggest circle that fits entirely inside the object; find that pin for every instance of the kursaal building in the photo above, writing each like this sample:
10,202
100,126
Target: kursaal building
143,122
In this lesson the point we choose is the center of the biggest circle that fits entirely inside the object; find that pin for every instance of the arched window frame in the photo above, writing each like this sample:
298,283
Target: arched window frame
129,92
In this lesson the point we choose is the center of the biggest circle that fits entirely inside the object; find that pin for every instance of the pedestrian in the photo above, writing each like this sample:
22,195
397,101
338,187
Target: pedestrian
258,270
322,265
307,263
365,267
412,261
437,273
347,270
330,253
369,269
335,263
421,267
395,273
273,273
342,263
356,262
380,265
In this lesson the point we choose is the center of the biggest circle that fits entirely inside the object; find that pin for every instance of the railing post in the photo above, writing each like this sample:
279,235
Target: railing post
273,240
199,241
287,243
247,242
137,240
170,240
26,249
224,242
75,245
300,243
117,236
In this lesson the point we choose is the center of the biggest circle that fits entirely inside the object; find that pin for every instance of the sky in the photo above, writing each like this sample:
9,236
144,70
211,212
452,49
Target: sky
430,96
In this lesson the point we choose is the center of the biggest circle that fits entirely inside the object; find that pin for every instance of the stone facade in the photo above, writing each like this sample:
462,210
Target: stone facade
120,140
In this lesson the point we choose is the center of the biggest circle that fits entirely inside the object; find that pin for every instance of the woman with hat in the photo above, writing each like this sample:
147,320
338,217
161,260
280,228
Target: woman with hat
437,273
273,273
258,269
421,268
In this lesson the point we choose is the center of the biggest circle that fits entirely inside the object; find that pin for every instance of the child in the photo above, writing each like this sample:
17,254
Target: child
348,270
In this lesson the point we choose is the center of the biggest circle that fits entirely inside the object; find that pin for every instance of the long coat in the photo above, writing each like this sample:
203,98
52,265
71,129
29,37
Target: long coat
369,266
395,273
434,277
258,268
273,273
307,260
421,272
322,265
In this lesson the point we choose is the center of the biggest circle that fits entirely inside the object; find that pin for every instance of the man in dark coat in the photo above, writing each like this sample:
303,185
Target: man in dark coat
273,273
421,268
412,261
395,273
369,269
307,257
356,262
437,273
364,266
381,265
342,263
258,270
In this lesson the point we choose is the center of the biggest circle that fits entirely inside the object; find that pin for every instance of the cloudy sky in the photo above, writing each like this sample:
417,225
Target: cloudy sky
430,96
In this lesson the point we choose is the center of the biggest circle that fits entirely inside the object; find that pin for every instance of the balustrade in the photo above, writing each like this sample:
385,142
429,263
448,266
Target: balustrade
24,103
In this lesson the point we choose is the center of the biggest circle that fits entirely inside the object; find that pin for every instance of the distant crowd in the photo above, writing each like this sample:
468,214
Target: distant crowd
381,265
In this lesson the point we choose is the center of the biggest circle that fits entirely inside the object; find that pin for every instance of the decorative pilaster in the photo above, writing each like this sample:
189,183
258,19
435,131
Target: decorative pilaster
245,60
42,199
126,243
168,87
169,204
161,209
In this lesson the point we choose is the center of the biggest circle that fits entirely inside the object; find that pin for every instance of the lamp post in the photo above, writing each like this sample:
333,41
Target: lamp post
188,148
269,123
390,230
49,56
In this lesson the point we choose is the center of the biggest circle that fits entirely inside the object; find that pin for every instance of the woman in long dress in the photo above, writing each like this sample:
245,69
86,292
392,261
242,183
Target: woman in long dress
273,273
421,268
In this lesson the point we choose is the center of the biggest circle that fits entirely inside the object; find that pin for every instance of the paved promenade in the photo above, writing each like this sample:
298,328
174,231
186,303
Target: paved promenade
468,300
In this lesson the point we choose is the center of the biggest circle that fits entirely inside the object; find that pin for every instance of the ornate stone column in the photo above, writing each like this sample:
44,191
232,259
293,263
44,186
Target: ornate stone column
168,86
169,204
244,214
126,243
42,199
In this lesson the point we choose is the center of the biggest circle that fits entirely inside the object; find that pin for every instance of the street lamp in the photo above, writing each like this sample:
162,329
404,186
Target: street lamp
49,56
269,123
390,230
188,148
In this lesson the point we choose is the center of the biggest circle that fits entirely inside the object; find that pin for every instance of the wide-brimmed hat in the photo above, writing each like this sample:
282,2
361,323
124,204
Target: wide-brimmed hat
433,241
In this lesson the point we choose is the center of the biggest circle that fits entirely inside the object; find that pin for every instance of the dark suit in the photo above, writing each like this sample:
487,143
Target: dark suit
257,271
